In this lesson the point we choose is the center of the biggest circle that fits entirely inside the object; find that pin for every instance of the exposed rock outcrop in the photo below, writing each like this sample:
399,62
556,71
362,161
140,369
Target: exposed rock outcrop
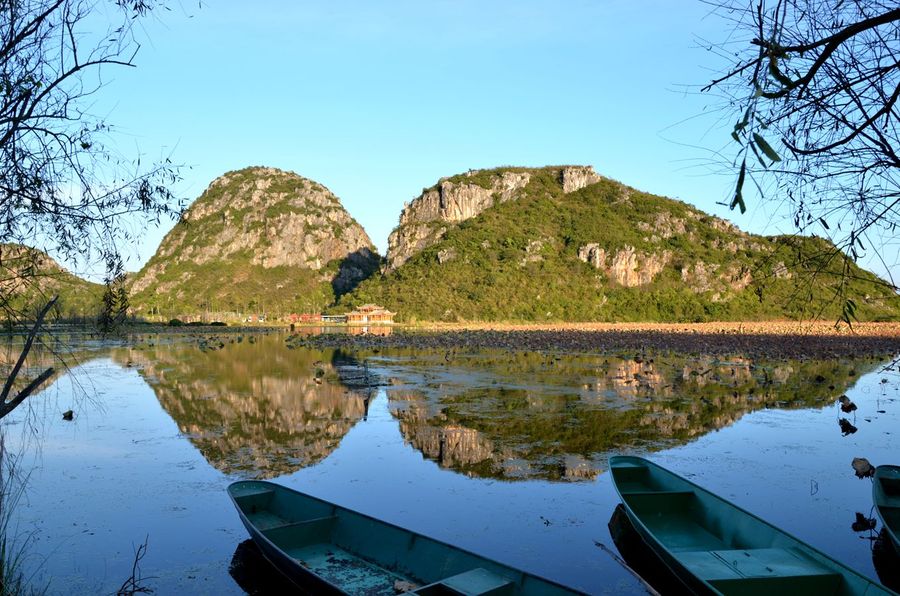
425,220
450,202
627,266
575,178
664,225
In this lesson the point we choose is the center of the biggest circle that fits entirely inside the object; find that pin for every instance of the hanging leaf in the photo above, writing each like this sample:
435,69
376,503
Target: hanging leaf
824,223
742,124
848,313
779,76
762,162
738,200
766,148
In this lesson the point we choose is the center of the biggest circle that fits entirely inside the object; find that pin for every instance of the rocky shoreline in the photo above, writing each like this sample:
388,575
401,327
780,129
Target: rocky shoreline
756,340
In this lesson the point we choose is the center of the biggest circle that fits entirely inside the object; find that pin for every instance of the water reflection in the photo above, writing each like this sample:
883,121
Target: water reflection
847,427
253,409
641,558
271,407
861,523
537,416
254,574
886,561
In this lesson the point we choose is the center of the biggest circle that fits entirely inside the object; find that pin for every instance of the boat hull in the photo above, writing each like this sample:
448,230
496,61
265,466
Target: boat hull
688,580
886,496
641,559
327,549
715,547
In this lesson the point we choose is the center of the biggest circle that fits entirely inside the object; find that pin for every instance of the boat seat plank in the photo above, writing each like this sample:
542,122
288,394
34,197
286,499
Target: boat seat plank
475,582
627,465
705,565
328,519
770,562
803,585
294,534
265,519
478,581
253,492
761,570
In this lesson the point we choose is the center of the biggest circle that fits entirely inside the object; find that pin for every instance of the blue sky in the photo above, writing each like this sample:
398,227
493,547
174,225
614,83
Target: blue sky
377,100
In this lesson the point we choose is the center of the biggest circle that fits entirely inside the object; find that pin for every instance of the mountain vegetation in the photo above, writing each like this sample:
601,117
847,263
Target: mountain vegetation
543,244
29,278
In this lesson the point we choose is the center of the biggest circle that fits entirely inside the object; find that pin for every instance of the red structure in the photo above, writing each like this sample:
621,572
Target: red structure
370,314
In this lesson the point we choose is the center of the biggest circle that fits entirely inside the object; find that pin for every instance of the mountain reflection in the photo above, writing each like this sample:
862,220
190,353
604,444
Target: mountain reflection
254,409
268,407
535,416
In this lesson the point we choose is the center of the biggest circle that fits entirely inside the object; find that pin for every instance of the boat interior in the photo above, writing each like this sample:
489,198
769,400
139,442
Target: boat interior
362,555
730,550
890,509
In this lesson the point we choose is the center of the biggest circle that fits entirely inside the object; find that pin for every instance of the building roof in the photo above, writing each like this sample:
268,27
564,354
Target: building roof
371,309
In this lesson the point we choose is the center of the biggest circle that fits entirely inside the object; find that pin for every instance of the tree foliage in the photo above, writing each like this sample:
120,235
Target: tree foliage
64,187
814,85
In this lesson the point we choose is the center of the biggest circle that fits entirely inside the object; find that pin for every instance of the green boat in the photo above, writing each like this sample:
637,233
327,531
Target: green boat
327,549
715,547
886,496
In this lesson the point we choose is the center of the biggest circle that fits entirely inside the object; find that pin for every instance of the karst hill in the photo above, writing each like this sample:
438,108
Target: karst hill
257,240
558,243
562,243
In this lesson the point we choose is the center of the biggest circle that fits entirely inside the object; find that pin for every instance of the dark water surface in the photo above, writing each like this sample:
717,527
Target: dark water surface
503,454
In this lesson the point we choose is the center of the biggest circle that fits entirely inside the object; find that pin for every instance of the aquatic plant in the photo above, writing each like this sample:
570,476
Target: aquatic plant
13,548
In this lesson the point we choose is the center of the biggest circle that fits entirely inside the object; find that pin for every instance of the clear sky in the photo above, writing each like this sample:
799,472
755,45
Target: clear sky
377,100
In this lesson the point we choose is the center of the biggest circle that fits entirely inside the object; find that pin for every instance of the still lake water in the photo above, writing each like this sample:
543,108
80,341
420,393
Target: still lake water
500,453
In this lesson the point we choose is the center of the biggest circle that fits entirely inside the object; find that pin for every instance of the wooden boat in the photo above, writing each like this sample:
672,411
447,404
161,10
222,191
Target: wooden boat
715,547
886,496
327,549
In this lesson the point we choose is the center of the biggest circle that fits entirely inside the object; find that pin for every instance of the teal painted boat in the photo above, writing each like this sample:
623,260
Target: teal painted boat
715,547
886,496
327,549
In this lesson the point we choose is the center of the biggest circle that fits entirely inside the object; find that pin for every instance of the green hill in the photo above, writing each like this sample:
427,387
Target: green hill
563,244
29,278
257,241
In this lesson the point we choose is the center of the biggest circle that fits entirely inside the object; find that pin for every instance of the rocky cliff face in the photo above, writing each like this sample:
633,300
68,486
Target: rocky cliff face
423,222
259,223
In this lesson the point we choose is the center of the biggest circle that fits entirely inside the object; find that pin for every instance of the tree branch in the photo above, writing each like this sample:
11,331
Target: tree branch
7,387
